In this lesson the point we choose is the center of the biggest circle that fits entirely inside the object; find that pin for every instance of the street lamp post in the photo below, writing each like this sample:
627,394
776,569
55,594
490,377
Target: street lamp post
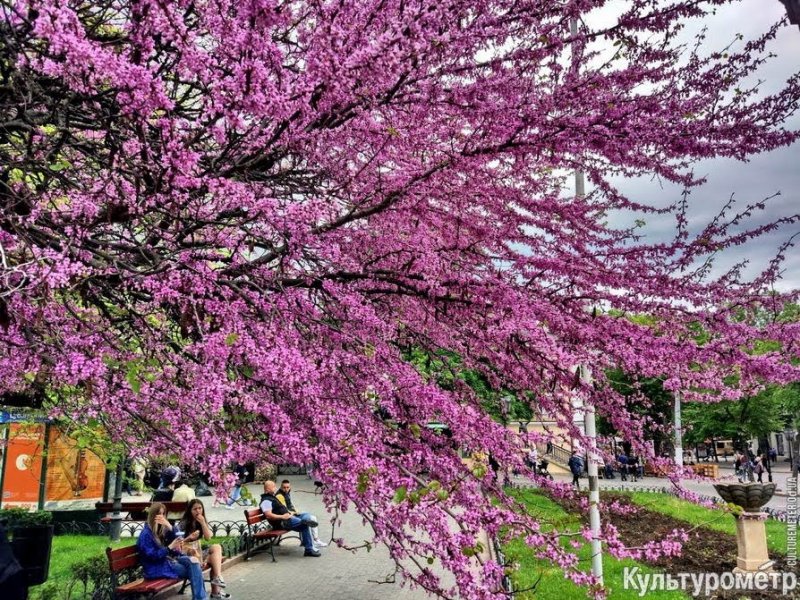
594,487
793,442
115,528
589,419
505,407
678,431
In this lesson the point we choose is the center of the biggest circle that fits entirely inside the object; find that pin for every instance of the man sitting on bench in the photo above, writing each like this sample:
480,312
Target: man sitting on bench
284,496
280,518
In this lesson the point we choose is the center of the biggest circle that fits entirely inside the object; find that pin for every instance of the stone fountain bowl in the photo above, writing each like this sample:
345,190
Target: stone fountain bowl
750,496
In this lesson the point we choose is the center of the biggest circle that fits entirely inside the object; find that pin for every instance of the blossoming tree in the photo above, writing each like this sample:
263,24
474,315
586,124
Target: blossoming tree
225,224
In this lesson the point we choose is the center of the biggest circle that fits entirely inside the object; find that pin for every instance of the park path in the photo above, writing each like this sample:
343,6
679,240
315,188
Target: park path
344,575
337,575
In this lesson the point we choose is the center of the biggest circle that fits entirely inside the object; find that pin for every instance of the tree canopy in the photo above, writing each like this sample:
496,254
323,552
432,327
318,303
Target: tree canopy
225,223
742,420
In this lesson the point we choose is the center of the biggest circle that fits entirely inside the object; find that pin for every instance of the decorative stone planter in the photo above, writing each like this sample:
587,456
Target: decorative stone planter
750,496
751,535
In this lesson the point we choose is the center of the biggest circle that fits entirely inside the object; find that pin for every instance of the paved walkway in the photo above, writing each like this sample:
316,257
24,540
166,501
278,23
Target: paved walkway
344,575
337,575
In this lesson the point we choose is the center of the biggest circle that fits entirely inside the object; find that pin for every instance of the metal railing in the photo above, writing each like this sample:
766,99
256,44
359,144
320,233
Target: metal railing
557,454
133,528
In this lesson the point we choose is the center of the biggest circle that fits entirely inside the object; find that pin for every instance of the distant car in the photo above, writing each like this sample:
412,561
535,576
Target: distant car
724,447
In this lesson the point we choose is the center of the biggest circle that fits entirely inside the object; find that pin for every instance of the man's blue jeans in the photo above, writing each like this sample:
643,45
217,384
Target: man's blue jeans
296,524
186,568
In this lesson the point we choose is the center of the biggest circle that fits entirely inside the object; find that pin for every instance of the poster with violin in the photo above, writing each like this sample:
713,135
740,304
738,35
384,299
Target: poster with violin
73,473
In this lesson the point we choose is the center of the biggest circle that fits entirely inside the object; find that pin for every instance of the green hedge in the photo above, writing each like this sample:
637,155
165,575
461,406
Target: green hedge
21,517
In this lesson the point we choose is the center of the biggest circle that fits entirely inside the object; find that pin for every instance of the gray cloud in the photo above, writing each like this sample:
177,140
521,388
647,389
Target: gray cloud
762,176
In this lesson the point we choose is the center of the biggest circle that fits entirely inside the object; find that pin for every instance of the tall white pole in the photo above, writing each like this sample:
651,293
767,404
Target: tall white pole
594,486
589,423
678,431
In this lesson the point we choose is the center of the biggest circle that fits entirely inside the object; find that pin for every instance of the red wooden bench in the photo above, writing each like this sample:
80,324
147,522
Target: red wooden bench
135,511
260,534
127,559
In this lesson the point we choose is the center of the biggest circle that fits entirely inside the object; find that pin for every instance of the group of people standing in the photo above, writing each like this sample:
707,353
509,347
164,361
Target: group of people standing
173,487
629,467
748,466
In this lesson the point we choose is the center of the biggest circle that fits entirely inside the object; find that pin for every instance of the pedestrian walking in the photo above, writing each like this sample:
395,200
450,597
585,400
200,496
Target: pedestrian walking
623,467
633,467
737,465
759,469
767,467
773,455
533,457
576,468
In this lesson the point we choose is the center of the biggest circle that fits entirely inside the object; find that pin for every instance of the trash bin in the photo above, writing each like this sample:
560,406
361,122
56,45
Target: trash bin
31,545
12,576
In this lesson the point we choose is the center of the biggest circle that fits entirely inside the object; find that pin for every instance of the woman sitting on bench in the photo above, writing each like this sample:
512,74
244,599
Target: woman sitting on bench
193,526
161,556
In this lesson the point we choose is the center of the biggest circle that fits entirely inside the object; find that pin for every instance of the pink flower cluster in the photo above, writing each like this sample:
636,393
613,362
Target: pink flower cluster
232,223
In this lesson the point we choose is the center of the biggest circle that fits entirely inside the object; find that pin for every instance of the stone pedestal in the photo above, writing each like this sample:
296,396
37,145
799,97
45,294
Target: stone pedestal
751,540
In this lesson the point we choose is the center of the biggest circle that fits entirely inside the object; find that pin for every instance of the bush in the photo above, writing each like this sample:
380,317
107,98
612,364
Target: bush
246,495
92,573
47,591
266,471
89,578
22,517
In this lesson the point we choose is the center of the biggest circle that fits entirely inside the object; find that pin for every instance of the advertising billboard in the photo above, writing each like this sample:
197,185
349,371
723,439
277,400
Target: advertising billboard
74,475
23,465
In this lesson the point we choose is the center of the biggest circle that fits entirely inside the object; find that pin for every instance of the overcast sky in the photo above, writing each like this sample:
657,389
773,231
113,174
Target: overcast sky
764,175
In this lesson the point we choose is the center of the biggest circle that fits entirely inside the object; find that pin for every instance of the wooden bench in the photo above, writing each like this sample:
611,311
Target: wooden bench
261,534
136,511
655,471
711,471
127,559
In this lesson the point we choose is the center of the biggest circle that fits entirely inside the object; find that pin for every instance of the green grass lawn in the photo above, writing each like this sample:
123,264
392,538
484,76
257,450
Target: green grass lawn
69,550
713,519
553,585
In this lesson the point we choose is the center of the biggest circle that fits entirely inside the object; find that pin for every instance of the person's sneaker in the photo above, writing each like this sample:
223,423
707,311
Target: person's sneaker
312,553
218,581
229,506
320,544
220,596
310,522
